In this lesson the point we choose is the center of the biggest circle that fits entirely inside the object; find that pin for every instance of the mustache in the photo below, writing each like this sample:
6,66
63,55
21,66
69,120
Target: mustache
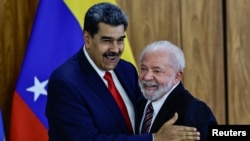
112,54
149,83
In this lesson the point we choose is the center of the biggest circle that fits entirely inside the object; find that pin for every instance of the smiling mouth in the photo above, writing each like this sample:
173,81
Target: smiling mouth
111,56
111,59
150,87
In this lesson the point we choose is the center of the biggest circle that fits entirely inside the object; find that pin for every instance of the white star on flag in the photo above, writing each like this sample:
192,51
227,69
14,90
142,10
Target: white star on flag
38,88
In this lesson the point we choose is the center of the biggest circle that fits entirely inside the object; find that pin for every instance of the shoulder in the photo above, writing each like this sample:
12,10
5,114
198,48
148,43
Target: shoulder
126,68
195,107
124,64
68,68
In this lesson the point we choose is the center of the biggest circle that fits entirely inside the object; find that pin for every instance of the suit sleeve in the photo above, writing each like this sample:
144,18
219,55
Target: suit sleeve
201,116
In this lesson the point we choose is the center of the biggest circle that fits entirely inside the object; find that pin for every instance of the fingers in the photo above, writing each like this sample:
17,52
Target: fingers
188,133
191,136
176,132
185,128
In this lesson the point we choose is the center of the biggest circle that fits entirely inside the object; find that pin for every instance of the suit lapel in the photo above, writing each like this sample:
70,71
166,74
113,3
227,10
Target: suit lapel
96,83
125,82
166,112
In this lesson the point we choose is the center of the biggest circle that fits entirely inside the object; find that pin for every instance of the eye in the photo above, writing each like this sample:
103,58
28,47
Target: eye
158,71
106,40
143,69
120,41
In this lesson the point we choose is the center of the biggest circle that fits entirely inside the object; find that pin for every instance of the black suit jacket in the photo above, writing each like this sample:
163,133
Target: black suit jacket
191,112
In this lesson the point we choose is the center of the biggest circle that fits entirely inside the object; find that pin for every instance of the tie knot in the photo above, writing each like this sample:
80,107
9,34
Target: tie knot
108,76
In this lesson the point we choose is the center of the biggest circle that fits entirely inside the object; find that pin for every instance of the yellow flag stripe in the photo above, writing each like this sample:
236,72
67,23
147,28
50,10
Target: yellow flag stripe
80,7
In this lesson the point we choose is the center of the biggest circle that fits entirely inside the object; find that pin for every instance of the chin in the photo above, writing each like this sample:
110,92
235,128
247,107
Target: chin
153,96
109,67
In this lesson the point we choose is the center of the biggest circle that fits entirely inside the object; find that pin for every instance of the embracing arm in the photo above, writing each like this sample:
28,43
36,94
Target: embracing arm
170,132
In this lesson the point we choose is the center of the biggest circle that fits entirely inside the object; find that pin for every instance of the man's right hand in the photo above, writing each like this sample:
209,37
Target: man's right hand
170,132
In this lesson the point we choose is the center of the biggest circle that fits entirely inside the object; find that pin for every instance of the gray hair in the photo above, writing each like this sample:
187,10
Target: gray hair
176,56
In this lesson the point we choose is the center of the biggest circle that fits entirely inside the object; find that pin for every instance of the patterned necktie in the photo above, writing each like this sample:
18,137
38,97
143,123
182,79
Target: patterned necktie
147,119
118,100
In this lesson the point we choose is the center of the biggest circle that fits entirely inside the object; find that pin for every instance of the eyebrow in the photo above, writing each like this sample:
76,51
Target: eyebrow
107,37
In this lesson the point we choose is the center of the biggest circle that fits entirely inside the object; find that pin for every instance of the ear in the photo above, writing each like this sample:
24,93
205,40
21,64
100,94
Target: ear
179,76
87,38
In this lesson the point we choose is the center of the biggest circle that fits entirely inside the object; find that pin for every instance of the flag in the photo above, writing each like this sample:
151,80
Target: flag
80,7
2,135
55,36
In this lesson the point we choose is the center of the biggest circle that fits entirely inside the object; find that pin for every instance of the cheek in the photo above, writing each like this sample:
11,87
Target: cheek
140,76
173,80
99,50
163,80
121,47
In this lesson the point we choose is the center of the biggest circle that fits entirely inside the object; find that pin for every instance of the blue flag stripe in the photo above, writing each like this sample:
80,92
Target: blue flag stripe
2,135
56,35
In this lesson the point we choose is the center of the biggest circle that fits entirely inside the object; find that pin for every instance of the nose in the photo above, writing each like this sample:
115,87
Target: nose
115,47
147,75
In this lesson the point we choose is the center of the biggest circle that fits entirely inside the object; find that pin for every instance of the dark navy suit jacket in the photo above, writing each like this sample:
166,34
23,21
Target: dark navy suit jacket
81,108
191,112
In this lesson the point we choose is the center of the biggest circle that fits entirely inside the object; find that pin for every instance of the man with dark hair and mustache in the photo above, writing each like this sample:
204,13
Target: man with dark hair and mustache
161,69
80,106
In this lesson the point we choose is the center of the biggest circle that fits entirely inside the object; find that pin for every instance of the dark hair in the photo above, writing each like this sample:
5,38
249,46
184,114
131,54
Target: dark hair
104,12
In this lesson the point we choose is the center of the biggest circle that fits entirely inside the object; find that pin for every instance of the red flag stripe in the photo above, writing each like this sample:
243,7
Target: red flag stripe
21,115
